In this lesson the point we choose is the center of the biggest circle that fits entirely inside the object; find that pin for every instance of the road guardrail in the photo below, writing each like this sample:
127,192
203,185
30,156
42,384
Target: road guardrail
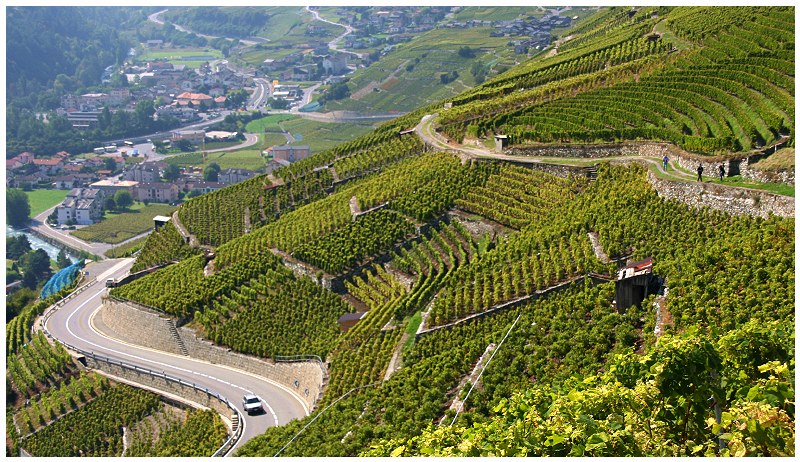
236,432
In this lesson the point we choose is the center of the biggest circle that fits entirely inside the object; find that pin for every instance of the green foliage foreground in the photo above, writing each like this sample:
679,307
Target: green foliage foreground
658,404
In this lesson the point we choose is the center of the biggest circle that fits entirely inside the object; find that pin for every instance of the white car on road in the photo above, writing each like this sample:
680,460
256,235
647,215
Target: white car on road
252,404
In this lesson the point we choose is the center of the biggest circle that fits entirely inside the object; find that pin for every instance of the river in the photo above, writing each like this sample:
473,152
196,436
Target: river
37,243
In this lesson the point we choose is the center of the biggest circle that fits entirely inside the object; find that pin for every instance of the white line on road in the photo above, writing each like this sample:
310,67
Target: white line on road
146,360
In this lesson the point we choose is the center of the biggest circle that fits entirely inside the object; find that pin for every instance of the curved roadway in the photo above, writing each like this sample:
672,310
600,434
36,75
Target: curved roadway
73,325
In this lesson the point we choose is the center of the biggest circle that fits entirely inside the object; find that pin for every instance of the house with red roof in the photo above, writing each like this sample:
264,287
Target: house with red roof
49,166
197,99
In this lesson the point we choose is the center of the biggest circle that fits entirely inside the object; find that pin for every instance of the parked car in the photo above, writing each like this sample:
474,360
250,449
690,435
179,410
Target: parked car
252,404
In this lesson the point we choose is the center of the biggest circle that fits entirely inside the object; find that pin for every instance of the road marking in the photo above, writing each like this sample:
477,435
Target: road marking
146,360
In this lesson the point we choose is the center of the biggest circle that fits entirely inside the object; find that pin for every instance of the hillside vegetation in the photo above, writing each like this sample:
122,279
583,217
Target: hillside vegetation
713,80
497,262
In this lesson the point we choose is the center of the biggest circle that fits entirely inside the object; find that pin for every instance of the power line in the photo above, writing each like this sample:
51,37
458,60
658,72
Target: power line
484,368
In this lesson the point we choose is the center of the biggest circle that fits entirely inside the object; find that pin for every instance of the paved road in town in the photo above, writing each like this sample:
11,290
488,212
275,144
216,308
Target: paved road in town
38,224
75,324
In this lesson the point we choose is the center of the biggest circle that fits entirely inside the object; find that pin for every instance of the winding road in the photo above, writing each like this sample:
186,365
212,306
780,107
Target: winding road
76,324
333,43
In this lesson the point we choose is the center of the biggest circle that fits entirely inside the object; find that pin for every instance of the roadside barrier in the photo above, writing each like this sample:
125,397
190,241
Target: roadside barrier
237,426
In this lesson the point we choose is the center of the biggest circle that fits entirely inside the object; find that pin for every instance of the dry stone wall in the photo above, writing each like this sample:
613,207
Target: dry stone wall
595,151
140,326
737,201
737,165
747,171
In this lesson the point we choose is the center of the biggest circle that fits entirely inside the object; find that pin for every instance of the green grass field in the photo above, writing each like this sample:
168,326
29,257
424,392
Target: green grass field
183,56
782,160
126,249
42,199
321,136
249,159
268,140
118,227
270,123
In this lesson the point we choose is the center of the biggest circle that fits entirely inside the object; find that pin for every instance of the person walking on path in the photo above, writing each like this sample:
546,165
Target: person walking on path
700,173
721,172
665,160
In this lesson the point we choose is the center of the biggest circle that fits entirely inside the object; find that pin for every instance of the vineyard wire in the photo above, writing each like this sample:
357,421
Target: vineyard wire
484,368
322,412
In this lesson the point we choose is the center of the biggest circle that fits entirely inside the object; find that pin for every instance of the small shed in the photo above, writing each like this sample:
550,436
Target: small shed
348,320
633,282
500,142
159,221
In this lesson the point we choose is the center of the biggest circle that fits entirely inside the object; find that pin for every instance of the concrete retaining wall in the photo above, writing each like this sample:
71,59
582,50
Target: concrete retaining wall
732,200
140,326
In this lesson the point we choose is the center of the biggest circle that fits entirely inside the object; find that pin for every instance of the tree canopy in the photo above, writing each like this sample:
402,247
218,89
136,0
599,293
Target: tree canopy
18,209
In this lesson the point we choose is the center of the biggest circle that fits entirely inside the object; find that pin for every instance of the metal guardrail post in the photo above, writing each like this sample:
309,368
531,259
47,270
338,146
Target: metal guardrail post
236,435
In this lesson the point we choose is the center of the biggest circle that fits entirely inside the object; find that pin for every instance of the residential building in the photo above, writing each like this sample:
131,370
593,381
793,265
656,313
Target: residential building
147,172
202,187
49,166
82,205
335,64
234,175
66,182
119,97
196,99
112,186
156,192
289,153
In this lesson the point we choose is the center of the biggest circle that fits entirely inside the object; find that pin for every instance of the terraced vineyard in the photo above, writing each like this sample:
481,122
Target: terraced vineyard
371,234
99,424
275,314
163,246
37,364
571,333
491,258
733,90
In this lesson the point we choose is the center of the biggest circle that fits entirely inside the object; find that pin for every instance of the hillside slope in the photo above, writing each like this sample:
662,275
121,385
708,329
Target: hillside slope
499,263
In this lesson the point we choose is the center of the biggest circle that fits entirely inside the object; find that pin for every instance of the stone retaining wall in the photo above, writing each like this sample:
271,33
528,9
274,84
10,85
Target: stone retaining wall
139,326
161,383
525,299
594,151
732,200
747,171
305,379
741,164
564,171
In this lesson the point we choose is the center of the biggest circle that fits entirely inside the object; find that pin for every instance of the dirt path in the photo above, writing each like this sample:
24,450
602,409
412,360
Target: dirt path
425,130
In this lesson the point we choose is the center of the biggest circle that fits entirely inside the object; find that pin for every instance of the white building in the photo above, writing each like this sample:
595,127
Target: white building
82,205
